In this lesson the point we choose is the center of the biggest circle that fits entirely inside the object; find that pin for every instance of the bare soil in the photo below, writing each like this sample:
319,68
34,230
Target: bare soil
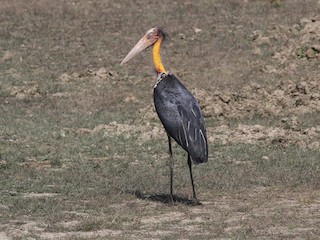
83,154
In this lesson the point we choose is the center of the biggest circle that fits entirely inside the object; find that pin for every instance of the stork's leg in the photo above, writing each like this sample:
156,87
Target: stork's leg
194,197
171,168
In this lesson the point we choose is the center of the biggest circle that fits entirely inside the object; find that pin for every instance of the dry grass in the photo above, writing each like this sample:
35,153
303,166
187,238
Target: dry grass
83,155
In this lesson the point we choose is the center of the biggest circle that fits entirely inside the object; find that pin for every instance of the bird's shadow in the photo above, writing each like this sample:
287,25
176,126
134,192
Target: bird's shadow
163,198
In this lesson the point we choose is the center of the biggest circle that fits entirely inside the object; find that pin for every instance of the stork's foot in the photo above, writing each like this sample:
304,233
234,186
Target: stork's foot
195,201
171,199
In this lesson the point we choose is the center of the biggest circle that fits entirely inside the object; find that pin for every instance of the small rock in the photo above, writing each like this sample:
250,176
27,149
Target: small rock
197,30
303,87
65,78
132,99
294,120
259,40
257,128
182,36
207,112
278,93
7,56
299,102
269,69
217,110
225,98
304,21
311,54
62,133
3,163
315,96
316,47
211,139
310,131
102,72
255,34
257,51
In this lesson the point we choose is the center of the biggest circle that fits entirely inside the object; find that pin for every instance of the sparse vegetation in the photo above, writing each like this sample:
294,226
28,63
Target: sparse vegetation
83,155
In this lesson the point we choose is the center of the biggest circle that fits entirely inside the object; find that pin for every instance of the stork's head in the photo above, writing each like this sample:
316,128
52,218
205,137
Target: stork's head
146,41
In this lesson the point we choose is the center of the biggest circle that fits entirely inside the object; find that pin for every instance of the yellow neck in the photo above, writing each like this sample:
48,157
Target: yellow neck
157,58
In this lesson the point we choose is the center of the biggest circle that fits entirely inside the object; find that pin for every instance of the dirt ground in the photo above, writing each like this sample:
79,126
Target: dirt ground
83,154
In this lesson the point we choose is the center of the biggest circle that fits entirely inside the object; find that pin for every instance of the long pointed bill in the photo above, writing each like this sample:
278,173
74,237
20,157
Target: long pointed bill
139,47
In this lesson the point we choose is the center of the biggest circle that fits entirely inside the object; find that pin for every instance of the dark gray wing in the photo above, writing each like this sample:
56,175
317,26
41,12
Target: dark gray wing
181,116
191,133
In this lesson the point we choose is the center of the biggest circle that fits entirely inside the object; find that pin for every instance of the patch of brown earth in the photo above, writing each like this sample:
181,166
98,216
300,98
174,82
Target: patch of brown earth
222,134
282,100
26,91
106,233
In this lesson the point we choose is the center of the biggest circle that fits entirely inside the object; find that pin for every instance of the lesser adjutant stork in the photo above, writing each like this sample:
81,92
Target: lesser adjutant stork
177,108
